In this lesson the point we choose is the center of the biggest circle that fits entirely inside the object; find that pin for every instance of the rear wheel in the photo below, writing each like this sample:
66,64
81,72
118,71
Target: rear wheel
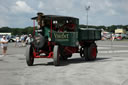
82,52
56,56
29,55
85,53
92,51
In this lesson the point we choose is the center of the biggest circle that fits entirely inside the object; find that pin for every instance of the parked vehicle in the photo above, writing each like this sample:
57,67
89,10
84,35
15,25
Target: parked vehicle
120,36
58,37
124,36
11,39
106,35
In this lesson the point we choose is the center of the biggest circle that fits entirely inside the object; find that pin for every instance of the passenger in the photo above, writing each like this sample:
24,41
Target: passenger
4,44
40,22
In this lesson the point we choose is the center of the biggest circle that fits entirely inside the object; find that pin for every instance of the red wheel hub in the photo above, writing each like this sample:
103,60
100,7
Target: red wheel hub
94,52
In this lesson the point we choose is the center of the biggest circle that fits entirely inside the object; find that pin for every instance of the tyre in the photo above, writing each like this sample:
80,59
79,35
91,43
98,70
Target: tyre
56,56
85,53
64,55
29,55
11,40
92,52
82,52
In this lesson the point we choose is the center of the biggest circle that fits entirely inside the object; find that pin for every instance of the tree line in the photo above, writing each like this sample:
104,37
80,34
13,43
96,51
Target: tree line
17,31
107,28
29,30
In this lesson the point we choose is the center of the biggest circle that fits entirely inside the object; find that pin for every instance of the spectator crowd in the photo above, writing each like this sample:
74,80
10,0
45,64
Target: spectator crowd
20,41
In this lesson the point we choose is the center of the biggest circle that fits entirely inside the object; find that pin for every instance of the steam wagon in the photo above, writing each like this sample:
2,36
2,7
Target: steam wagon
58,37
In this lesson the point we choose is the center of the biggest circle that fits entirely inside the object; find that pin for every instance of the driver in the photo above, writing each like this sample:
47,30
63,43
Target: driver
40,22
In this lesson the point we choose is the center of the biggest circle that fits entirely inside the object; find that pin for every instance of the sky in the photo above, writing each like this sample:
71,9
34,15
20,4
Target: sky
17,13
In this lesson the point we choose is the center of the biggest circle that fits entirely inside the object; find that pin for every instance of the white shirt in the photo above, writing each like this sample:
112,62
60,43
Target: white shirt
17,39
4,44
28,40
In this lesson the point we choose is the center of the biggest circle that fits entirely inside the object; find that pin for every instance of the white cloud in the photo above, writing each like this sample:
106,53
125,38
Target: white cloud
104,7
124,6
111,12
103,12
4,21
56,6
41,5
22,7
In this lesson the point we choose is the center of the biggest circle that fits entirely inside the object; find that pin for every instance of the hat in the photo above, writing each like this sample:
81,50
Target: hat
40,13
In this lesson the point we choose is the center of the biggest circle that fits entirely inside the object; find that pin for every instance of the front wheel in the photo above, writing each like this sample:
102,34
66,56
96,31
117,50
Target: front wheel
56,56
29,55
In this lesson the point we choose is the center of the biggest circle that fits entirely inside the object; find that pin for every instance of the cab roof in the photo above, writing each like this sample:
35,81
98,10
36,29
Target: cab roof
56,17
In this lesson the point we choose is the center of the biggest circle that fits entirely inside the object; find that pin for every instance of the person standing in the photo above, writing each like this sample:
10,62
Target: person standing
17,41
22,39
29,39
4,44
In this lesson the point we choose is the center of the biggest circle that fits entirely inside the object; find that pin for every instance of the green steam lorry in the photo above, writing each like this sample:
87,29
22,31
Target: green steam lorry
58,37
